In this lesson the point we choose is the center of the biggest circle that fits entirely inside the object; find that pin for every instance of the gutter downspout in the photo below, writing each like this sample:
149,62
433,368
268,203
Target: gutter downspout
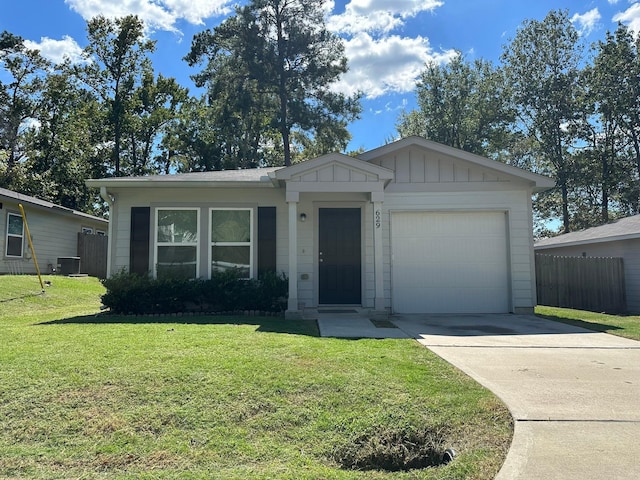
110,199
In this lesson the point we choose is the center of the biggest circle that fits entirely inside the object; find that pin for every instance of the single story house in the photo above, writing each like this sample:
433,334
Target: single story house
54,232
617,239
413,226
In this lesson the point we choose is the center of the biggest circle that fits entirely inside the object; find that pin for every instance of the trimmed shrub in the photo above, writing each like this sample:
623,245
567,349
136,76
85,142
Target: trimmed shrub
136,294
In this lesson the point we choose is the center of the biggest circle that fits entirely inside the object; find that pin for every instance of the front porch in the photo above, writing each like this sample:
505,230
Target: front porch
331,183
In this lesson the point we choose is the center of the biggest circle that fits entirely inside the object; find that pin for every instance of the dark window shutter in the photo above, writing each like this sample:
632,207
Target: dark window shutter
266,240
139,240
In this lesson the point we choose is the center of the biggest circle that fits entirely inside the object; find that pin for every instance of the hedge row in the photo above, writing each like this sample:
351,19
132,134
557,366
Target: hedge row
136,294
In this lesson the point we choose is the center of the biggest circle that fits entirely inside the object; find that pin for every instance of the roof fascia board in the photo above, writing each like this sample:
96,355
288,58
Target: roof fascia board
43,205
173,183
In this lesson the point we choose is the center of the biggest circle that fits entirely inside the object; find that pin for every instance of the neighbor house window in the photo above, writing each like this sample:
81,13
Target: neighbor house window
177,243
231,234
15,235
87,230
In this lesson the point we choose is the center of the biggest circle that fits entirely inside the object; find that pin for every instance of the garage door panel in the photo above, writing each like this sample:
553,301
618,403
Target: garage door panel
449,262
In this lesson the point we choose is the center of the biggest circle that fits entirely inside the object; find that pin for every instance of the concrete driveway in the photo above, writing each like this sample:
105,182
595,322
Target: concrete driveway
574,394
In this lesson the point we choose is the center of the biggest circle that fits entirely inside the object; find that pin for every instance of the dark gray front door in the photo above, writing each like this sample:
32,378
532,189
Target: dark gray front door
339,256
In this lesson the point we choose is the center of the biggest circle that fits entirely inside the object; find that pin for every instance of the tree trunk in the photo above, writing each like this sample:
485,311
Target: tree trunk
565,206
605,189
282,91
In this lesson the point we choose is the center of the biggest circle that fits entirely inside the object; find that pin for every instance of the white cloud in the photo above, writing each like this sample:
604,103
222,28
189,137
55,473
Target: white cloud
196,11
587,21
388,65
630,17
379,63
57,50
156,14
30,124
381,16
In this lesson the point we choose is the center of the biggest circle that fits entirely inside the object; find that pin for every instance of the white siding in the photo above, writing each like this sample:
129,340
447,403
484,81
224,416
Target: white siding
629,250
423,182
416,166
519,238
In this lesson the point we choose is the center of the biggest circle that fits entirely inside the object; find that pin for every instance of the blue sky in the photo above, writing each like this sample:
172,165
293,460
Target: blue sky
387,41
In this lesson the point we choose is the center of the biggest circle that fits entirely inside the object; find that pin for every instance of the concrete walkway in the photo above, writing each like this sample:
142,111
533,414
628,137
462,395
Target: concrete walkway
574,394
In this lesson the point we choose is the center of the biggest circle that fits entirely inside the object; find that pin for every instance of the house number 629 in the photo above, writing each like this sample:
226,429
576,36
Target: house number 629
378,219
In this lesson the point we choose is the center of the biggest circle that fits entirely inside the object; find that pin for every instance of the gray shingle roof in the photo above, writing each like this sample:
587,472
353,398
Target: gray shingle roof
250,175
624,228
21,198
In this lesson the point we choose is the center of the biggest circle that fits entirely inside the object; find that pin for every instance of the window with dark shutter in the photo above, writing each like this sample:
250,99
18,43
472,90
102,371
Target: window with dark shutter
139,240
266,240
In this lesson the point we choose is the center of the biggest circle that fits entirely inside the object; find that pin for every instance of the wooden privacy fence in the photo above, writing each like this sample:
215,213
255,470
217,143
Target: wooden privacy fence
585,283
92,250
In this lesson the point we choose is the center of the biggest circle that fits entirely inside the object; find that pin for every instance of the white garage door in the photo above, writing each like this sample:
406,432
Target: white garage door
449,262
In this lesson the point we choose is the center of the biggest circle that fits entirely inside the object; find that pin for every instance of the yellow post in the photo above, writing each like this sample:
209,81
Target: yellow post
33,252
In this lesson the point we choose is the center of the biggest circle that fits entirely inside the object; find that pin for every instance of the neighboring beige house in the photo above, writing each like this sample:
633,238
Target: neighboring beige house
413,226
54,232
617,239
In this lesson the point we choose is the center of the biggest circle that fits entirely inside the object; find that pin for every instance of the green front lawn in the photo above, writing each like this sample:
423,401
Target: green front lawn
86,395
622,325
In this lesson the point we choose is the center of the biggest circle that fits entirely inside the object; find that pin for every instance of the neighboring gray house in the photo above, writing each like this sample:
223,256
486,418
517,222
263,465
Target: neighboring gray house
413,226
617,239
54,232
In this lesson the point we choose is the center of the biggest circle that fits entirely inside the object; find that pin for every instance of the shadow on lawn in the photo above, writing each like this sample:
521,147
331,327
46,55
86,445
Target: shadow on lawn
595,326
21,297
263,324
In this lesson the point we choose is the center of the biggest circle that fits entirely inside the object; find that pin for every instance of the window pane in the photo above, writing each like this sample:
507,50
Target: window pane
178,226
14,246
225,258
230,226
177,262
15,225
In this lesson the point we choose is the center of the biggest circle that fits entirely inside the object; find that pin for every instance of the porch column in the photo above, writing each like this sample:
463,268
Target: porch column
292,306
378,261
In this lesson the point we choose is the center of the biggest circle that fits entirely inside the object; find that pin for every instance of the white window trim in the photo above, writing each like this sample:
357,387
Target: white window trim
157,244
87,230
7,235
250,243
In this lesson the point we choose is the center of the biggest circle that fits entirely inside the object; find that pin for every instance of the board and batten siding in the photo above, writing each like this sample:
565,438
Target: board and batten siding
629,250
415,167
435,182
423,181
53,236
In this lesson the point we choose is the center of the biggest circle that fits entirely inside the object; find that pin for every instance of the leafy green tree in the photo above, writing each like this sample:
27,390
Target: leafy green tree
621,50
20,103
192,142
608,97
463,105
59,150
118,51
154,107
542,67
272,65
